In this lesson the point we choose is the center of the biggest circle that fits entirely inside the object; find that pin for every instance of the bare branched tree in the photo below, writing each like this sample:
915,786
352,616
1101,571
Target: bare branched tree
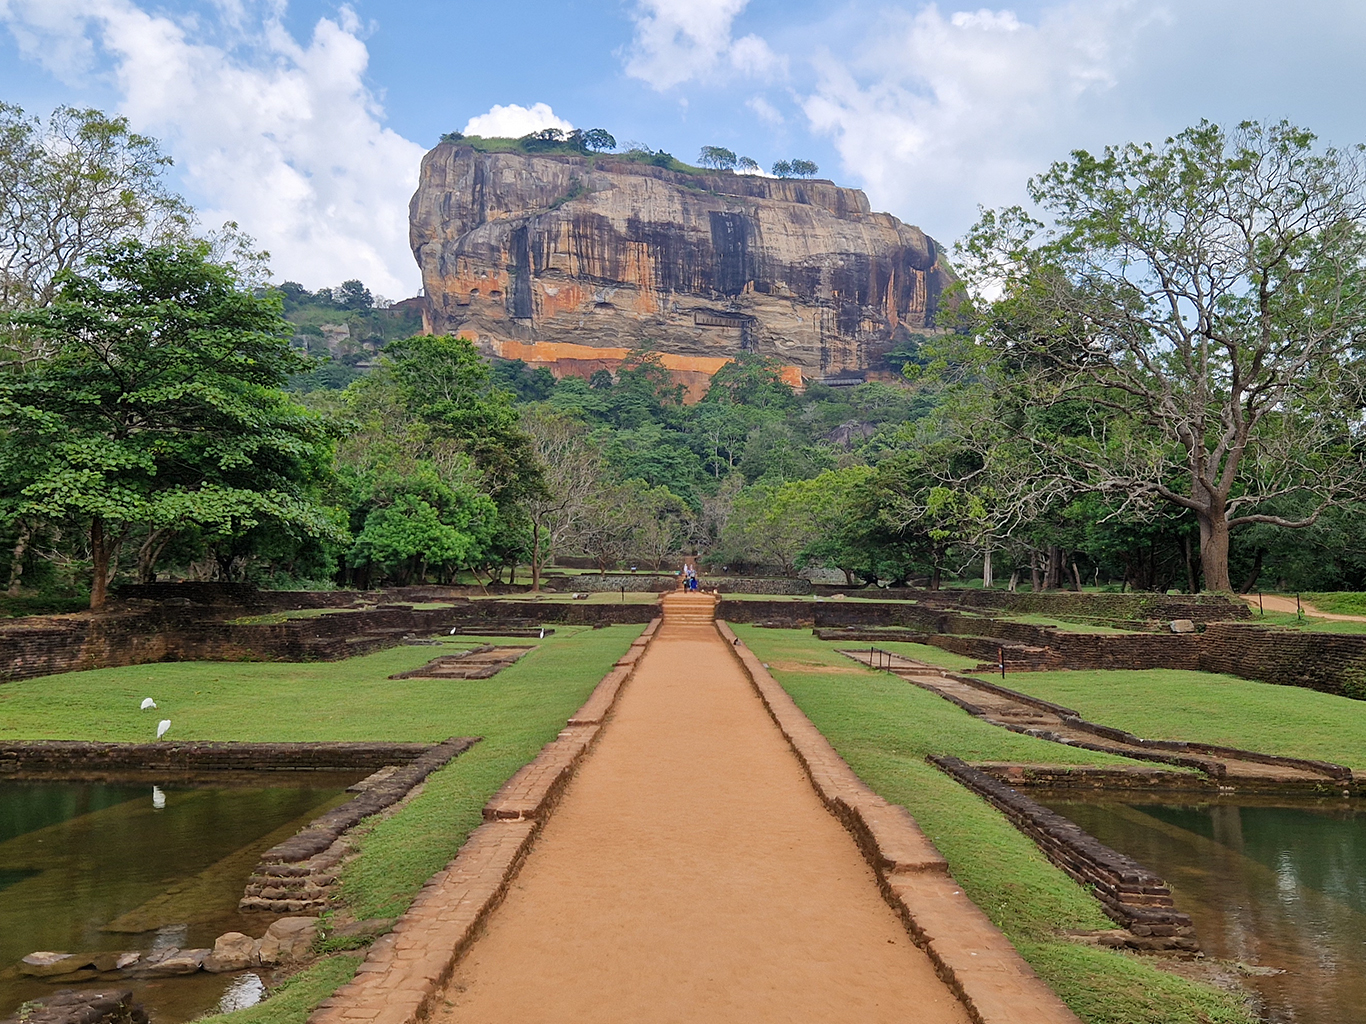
1187,328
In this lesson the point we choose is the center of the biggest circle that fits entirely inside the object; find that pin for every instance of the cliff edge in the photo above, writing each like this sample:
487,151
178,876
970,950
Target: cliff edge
572,261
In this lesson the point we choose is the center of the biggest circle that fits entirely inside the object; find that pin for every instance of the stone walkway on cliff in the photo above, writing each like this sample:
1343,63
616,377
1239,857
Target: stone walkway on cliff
690,873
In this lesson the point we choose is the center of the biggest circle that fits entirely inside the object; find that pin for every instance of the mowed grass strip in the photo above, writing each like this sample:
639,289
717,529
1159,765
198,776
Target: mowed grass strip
516,712
1171,704
884,728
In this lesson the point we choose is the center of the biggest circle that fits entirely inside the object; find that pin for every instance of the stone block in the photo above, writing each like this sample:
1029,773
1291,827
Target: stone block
47,964
287,940
1182,626
232,951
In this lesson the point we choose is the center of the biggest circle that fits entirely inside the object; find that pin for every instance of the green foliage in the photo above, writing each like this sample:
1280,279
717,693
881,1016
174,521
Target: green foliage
162,408
717,157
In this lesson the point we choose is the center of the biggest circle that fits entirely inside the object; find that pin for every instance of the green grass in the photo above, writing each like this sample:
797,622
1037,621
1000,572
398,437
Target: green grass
884,728
1309,623
1342,602
1204,706
919,652
292,1002
1062,625
516,712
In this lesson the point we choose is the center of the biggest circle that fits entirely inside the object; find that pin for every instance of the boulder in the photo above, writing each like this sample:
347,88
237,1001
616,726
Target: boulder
287,940
46,964
232,951
1182,626
178,961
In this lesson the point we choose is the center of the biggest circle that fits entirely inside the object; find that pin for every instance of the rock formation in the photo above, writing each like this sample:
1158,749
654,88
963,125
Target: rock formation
572,261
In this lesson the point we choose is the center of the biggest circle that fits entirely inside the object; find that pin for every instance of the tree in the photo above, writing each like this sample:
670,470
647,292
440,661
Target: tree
162,407
1197,308
747,165
782,169
572,469
354,296
753,380
803,169
70,189
717,157
417,520
592,140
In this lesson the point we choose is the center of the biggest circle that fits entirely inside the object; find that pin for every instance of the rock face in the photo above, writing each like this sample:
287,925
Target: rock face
571,262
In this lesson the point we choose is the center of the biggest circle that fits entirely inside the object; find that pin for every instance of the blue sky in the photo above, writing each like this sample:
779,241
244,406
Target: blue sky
305,121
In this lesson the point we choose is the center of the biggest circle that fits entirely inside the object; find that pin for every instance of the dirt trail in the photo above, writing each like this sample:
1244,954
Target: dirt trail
1276,603
691,874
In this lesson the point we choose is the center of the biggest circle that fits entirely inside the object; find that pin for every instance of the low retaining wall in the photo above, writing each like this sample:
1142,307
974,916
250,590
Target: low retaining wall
405,971
20,758
969,953
299,874
1131,895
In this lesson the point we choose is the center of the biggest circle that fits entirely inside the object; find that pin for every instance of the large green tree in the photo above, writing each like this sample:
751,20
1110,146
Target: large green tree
161,408
1201,304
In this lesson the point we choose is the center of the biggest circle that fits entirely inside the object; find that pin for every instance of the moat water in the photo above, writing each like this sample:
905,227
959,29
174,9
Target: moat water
92,867
1278,883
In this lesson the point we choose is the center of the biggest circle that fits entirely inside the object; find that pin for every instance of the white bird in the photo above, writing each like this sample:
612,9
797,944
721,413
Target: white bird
148,702
158,799
452,632
161,729
542,632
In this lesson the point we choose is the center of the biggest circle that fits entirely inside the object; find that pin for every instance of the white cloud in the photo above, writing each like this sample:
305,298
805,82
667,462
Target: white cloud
280,135
941,113
512,121
765,110
679,40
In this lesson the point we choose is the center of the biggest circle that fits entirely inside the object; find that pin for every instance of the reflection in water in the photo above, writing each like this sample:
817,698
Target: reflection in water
91,867
1272,882
244,990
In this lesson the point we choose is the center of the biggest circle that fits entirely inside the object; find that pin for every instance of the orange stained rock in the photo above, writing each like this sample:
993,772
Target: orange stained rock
691,874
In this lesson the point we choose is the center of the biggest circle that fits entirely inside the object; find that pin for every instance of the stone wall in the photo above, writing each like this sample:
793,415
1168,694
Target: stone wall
24,757
1330,662
1129,893
138,635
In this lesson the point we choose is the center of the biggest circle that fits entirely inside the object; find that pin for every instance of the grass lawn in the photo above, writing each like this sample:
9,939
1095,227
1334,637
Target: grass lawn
1341,602
884,728
1309,622
517,712
927,653
1175,705
1063,627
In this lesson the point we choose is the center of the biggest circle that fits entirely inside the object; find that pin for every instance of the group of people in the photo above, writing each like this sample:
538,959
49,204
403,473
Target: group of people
689,578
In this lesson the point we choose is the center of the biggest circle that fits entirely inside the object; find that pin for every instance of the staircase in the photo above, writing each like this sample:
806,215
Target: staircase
689,609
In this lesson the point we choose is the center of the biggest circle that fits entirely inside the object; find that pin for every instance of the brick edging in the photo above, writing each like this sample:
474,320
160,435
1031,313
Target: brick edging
1129,893
971,955
404,972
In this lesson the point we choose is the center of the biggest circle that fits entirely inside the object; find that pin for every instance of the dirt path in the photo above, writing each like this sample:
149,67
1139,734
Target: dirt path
1276,603
691,874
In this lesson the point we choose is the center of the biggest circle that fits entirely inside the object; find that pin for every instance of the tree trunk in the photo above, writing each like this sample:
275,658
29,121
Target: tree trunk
1214,551
1076,576
1033,570
1014,580
16,565
1256,571
535,557
988,581
1051,576
1189,556
99,556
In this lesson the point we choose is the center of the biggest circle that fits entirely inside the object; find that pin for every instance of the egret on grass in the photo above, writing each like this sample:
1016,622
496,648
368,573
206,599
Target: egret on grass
161,729
148,702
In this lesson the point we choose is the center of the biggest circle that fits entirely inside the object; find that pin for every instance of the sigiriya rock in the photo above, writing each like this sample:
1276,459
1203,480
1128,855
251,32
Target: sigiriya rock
571,261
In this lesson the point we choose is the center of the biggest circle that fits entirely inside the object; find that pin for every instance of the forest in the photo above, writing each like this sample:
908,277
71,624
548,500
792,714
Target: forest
1103,405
